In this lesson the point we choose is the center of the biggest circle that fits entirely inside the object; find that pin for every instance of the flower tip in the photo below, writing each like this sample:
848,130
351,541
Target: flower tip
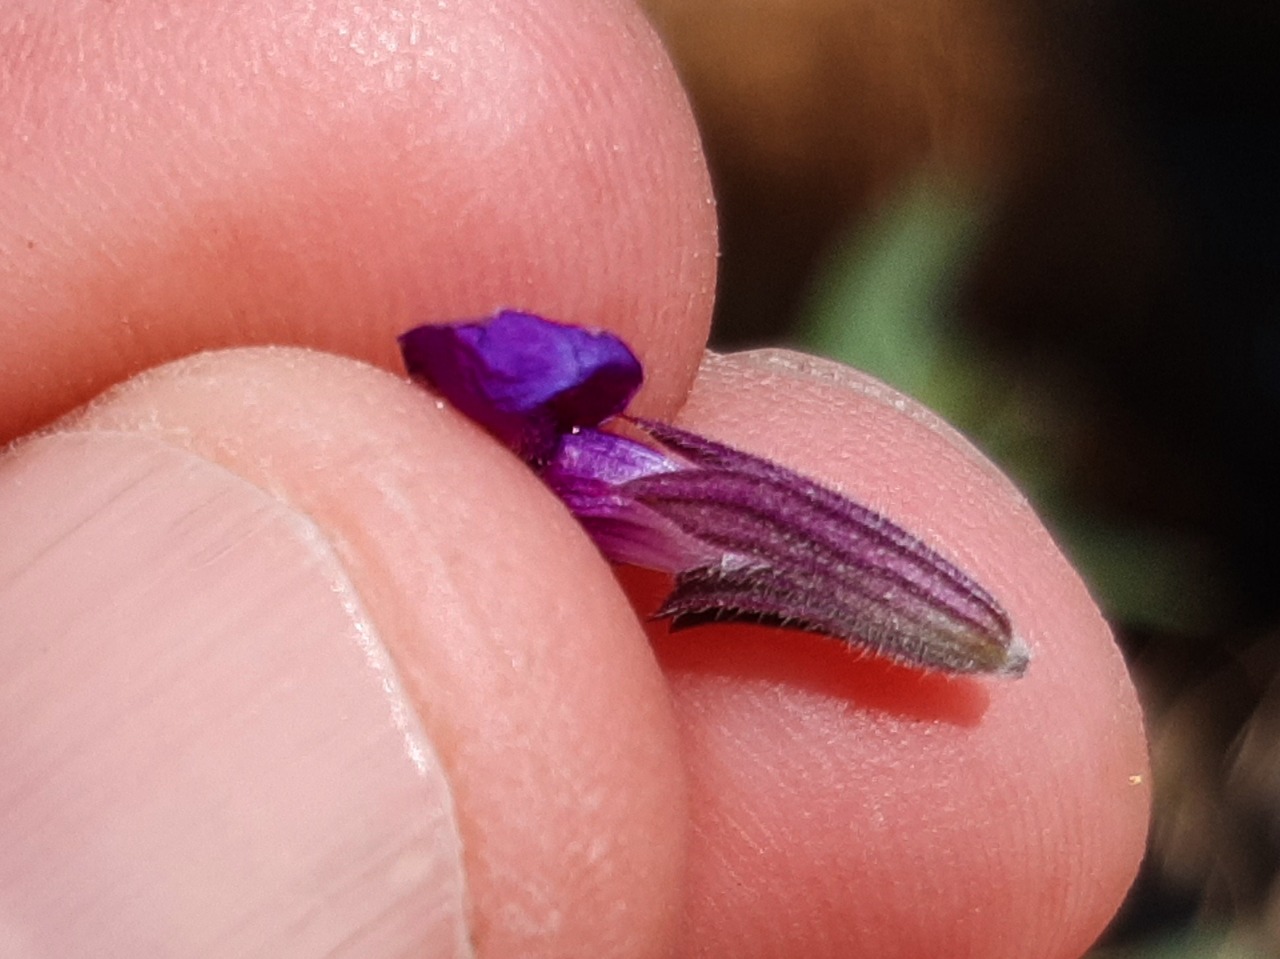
1017,657
992,651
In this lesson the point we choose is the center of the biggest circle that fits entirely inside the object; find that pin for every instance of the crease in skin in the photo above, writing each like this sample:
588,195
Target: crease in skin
417,745
801,366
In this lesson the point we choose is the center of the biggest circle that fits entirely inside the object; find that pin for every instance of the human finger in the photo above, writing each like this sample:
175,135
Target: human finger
846,806
191,175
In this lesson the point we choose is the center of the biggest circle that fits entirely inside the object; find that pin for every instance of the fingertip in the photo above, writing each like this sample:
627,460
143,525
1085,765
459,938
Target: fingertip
910,814
335,173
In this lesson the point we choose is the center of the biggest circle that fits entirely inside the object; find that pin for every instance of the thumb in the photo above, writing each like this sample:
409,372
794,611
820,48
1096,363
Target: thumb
204,582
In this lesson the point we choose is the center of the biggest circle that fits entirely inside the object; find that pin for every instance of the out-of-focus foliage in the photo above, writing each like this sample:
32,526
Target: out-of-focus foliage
885,302
1206,943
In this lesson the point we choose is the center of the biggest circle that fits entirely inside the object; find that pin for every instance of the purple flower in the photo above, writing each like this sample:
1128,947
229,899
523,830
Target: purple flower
746,539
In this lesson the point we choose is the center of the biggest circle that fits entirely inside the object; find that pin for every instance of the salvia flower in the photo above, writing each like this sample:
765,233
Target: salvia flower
745,538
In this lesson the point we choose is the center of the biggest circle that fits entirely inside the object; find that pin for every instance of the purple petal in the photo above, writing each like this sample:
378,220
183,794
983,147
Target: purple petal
526,380
589,473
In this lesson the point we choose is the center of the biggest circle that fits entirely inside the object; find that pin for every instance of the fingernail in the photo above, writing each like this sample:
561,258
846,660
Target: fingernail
815,369
204,749
805,367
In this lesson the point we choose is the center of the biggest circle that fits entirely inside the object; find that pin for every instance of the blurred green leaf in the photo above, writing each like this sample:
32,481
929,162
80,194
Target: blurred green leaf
1203,943
885,303
884,298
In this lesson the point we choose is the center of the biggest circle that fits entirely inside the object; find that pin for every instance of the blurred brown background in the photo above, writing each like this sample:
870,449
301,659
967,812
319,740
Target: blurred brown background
1059,225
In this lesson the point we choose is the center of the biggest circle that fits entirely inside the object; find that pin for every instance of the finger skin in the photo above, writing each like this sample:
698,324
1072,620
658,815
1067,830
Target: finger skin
180,175
532,677
845,806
